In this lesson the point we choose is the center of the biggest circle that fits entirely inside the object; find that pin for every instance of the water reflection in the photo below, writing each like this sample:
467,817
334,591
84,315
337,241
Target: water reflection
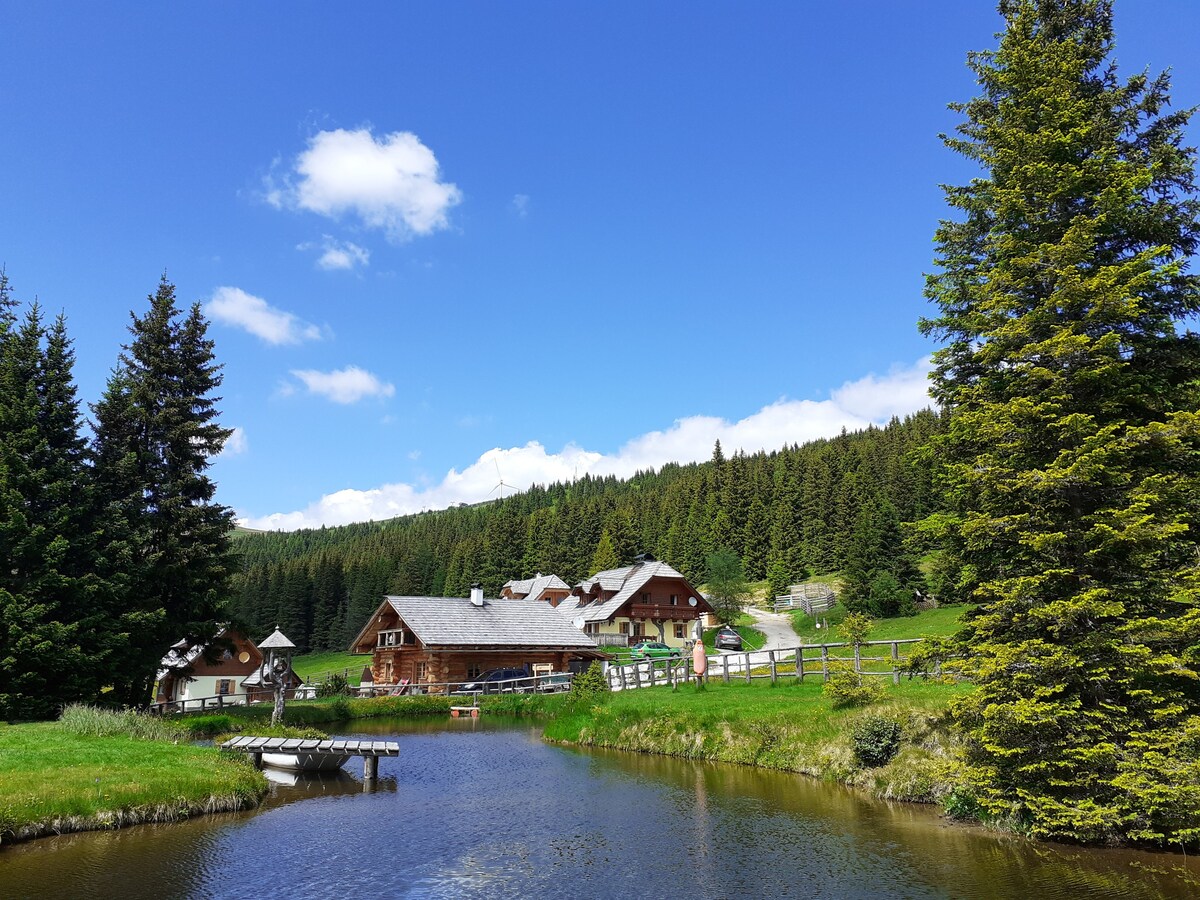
482,808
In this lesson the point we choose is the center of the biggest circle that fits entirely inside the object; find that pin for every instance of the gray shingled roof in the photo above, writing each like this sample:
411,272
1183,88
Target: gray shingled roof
626,582
533,587
451,621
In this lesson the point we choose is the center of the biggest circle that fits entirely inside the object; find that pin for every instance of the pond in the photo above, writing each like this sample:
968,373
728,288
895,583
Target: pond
484,808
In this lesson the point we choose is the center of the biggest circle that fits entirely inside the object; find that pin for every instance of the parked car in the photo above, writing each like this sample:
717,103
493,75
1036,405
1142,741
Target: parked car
728,639
498,681
653,650
554,683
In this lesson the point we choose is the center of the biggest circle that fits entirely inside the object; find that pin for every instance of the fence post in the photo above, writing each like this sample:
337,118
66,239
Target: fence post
747,667
621,669
895,663
800,664
774,672
857,660
650,662
825,661
637,675
725,666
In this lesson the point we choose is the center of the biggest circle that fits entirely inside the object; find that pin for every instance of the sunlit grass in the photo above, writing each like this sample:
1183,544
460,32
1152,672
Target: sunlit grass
54,779
312,664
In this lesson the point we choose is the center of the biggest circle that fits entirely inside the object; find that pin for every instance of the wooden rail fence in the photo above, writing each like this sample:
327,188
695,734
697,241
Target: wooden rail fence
812,598
805,661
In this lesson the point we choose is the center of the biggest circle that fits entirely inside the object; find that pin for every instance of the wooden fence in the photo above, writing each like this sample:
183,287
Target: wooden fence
812,598
805,661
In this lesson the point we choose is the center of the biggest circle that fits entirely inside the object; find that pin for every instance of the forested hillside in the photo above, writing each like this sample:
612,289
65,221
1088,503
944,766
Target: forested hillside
786,513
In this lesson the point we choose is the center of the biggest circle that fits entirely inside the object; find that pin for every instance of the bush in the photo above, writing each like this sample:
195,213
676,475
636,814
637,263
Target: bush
589,687
79,718
334,686
875,740
962,805
855,627
847,688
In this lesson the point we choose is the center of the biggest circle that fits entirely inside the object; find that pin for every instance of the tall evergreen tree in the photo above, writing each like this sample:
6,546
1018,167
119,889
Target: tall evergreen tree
156,434
1072,449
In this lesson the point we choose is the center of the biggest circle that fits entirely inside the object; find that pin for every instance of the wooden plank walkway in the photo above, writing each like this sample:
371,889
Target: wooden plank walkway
248,744
370,751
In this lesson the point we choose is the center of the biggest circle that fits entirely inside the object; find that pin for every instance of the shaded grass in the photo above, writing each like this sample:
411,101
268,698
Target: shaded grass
54,780
792,726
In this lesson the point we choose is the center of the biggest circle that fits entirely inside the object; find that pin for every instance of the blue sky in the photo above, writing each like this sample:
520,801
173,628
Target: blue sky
438,242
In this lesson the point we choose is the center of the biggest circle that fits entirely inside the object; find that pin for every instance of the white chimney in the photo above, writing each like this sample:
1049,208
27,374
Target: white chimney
476,595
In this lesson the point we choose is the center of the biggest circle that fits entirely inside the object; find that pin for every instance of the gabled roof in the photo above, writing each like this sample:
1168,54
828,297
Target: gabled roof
182,654
457,622
626,582
536,586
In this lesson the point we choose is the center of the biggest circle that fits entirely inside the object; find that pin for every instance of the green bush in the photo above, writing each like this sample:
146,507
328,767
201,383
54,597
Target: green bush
847,688
962,805
334,686
875,739
340,708
589,687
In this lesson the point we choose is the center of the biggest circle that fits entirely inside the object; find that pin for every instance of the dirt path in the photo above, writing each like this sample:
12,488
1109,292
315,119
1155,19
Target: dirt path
777,627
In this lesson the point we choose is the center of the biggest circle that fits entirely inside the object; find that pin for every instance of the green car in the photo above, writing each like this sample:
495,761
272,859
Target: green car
653,650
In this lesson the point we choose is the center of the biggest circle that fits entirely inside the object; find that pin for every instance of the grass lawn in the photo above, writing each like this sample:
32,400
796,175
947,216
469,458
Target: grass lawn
339,661
792,726
53,780
930,623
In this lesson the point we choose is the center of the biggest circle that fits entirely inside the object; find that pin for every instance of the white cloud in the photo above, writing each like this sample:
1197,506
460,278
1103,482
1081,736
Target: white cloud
391,183
236,444
233,306
337,255
854,405
348,385
520,204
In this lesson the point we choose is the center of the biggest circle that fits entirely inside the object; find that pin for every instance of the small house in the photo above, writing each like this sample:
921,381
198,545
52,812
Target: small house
550,588
435,641
646,601
229,666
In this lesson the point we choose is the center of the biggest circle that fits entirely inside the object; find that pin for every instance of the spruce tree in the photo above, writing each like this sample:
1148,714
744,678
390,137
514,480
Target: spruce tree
1072,447
167,539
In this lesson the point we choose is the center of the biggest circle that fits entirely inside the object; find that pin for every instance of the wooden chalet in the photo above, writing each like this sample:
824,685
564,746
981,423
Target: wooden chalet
648,600
228,666
438,640
550,588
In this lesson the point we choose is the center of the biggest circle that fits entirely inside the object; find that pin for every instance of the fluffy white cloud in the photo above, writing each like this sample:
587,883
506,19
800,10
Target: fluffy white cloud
236,443
391,183
854,405
348,385
336,255
233,306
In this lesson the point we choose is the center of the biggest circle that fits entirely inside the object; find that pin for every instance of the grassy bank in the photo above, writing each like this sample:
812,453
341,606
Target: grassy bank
944,620
54,780
310,664
792,727
335,710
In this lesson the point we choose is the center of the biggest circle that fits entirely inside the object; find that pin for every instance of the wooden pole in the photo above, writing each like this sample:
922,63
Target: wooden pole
747,667
800,664
725,666
825,661
895,663
774,672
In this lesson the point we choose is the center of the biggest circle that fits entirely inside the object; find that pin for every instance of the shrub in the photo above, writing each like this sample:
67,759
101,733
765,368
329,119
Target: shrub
334,686
340,708
960,804
875,740
847,688
589,687
79,718
855,627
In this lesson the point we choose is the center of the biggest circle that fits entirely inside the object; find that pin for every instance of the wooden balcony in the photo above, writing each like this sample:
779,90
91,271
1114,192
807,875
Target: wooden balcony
661,611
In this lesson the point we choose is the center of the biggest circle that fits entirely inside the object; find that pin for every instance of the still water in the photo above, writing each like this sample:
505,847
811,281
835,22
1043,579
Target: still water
483,808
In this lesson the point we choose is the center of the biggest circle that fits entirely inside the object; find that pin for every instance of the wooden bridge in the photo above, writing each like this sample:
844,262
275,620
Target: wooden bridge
370,751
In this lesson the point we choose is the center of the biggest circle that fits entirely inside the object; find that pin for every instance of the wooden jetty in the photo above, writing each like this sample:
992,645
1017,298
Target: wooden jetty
370,751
